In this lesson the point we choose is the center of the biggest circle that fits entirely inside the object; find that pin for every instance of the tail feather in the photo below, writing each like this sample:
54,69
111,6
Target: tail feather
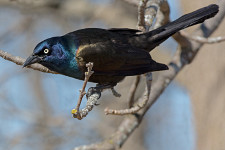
150,40
197,16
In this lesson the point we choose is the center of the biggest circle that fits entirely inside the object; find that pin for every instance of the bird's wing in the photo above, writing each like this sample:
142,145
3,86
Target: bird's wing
125,31
114,56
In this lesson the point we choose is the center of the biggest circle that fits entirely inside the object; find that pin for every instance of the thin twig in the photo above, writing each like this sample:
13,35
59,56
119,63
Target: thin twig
146,15
20,61
200,39
141,103
91,102
92,99
162,12
75,112
141,15
144,24
131,122
132,2
150,14
132,91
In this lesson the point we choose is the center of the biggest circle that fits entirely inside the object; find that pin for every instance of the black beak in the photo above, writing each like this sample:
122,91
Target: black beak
31,60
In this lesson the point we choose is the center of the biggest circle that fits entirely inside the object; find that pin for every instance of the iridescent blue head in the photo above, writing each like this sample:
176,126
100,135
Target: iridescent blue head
55,54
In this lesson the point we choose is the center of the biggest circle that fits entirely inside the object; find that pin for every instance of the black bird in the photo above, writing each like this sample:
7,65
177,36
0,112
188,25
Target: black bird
116,53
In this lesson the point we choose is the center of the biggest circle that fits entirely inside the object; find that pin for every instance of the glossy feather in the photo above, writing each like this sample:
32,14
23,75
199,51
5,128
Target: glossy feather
116,53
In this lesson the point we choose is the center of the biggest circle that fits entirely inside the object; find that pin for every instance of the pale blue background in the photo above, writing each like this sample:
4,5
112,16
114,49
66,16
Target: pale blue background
170,119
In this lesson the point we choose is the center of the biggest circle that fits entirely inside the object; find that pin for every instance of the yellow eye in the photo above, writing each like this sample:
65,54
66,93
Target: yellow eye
46,51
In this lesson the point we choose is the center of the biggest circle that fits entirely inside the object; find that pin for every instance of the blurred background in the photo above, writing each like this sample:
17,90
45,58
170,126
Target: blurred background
35,107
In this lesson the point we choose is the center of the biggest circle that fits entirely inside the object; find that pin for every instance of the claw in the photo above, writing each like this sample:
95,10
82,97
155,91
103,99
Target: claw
93,90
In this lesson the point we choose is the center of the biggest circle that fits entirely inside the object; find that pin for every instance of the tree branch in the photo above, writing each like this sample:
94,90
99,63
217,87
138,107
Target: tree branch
132,91
141,15
144,23
200,39
131,122
132,2
75,111
184,55
20,61
141,102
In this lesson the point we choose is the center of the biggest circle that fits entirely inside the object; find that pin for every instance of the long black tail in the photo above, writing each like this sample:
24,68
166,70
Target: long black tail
150,40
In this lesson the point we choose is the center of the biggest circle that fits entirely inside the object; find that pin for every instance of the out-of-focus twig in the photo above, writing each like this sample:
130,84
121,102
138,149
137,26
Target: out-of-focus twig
199,39
132,2
131,122
141,102
141,15
143,24
162,10
20,61
39,3
132,91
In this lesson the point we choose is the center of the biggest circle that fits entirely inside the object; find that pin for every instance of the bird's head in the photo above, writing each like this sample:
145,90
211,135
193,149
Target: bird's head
50,53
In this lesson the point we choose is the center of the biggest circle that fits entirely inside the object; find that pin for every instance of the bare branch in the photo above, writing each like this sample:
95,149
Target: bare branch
162,9
131,122
132,2
141,102
147,12
133,90
141,15
116,140
91,102
143,24
200,39
75,112
20,61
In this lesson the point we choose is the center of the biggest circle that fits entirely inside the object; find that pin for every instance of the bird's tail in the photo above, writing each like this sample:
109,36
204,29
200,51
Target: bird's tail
150,40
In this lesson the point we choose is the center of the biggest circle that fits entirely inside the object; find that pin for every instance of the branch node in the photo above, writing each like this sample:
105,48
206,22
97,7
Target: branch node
75,112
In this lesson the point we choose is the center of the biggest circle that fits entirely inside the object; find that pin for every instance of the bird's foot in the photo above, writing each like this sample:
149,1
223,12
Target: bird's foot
108,86
93,90
92,97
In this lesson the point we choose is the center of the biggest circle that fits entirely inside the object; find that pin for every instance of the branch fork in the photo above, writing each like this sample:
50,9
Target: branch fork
75,112
140,104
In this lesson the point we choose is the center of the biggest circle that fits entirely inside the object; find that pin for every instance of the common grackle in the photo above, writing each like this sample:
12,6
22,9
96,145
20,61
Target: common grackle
116,53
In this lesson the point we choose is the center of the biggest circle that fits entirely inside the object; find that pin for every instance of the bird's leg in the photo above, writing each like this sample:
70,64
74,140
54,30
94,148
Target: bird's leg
92,98
91,91
93,94
102,87
88,74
